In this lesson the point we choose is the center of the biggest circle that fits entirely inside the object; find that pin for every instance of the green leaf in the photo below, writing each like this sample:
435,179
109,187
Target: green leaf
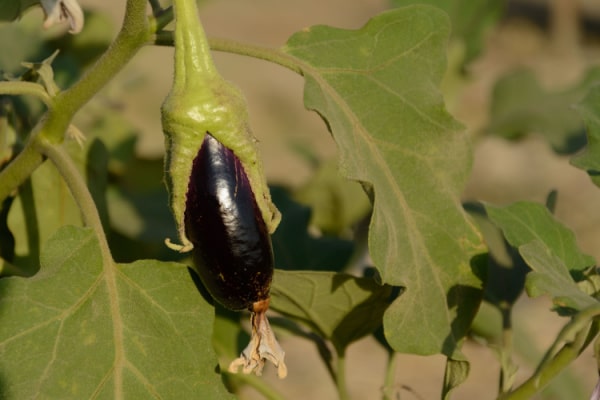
525,222
378,89
589,159
520,106
338,307
456,372
83,329
471,19
551,276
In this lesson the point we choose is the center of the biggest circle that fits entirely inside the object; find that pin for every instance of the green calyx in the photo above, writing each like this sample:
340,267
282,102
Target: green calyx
201,101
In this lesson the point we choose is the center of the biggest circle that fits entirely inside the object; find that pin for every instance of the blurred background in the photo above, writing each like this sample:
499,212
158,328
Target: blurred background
515,70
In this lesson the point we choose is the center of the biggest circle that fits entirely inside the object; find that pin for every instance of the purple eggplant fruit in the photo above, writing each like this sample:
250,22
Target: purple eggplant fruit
232,247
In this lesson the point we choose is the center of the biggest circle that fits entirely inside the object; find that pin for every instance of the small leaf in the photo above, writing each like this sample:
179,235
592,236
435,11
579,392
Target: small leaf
338,307
589,159
525,222
378,89
457,371
551,276
83,329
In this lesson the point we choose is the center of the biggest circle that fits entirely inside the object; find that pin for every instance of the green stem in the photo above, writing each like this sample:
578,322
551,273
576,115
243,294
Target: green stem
165,38
162,19
192,50
390,375
340,378
18,170
556,360
506,350
549,369
74,180
25,88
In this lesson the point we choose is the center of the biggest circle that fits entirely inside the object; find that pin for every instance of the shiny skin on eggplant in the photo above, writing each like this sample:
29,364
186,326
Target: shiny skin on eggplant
232,247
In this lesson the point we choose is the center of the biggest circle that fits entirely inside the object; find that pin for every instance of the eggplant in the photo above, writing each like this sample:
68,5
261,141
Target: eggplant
232,247
232,251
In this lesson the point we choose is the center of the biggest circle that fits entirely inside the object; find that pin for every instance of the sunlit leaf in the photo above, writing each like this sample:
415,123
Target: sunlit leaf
378,89
85,328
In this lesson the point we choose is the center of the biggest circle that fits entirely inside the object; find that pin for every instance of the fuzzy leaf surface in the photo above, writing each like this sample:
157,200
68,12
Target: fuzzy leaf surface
378,90
77,330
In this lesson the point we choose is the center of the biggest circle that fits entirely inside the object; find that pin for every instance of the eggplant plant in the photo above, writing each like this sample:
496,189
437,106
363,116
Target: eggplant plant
123,276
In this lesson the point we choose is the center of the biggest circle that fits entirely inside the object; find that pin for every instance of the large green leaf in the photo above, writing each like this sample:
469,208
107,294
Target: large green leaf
338,307
589,159
83,328
378,89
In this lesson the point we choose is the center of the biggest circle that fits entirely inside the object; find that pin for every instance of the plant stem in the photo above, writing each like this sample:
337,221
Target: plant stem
340,378
550,369
505,381
162,19
74,180
390,375
264,53
192,50
18,170
25,88
165,38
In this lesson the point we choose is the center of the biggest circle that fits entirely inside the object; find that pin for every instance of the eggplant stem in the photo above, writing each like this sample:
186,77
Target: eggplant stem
263,346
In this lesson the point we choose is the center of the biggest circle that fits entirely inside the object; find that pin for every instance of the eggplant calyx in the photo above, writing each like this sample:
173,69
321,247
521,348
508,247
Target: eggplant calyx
263,346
